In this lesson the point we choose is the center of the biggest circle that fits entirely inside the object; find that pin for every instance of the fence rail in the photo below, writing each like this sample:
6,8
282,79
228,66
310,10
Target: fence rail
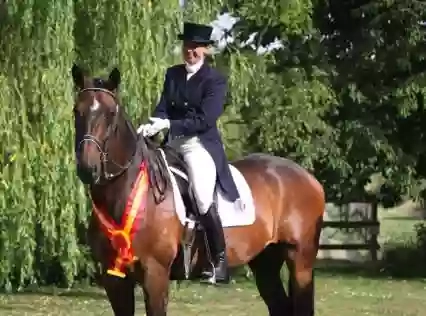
359,219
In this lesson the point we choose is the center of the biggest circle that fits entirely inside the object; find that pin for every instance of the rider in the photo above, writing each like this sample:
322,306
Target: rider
191,102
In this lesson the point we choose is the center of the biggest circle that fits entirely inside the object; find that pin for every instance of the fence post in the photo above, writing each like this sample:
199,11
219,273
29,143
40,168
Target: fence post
374,233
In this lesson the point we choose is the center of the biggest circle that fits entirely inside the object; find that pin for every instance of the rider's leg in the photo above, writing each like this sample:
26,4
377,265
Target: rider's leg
202,172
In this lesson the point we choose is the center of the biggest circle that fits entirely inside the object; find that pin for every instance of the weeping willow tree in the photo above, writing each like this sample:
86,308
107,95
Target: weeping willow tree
43,206
40,199
146,46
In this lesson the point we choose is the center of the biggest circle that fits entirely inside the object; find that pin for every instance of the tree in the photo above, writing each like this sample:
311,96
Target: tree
358,66
376,49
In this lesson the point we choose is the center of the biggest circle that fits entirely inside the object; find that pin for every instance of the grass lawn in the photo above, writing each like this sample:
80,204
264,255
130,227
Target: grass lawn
336,295
398,223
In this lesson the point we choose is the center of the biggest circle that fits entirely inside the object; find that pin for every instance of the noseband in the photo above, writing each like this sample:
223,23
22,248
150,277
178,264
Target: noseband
104,157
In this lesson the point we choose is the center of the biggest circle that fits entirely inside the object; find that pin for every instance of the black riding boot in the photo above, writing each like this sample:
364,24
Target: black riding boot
216,242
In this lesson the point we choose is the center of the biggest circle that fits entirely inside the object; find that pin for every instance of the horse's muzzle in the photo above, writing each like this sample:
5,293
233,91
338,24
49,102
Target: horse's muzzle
88,173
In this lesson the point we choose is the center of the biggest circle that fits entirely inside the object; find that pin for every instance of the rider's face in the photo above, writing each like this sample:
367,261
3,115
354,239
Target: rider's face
193,52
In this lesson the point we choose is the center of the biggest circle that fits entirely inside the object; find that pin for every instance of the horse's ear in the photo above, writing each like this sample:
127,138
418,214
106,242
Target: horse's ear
77,76
114,79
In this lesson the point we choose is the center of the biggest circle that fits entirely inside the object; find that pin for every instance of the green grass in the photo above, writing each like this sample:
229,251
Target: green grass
344,293
398,223
336,295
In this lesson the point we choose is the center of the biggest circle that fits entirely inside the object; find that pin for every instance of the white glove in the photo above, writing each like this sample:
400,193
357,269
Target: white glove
142,128
157,125
147,130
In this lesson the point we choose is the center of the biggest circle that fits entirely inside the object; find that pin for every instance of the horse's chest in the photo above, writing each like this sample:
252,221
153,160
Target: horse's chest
98,242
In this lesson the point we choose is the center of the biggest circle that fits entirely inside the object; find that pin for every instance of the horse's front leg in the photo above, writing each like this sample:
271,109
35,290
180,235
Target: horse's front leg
121,294
155,287
120,291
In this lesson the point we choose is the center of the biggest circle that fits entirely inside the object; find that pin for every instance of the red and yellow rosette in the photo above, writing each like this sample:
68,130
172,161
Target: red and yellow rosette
121,235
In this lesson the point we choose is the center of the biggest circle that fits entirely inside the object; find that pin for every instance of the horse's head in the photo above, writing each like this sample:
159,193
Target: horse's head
105,140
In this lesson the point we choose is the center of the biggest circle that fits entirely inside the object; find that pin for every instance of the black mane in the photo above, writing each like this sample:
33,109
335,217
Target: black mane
159,179
145,147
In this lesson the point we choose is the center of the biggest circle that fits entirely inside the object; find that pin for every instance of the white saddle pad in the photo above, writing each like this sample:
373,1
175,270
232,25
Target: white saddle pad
229,213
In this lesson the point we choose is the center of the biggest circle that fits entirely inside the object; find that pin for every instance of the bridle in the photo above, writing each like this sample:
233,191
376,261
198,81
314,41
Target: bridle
157,176
102,147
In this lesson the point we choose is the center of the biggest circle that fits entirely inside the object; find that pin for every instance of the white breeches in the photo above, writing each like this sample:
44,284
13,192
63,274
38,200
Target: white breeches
202,170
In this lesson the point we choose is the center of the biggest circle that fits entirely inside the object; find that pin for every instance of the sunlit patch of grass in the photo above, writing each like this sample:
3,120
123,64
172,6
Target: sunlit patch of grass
335,295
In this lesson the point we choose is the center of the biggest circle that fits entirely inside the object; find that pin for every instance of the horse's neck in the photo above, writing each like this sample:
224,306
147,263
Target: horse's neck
112,197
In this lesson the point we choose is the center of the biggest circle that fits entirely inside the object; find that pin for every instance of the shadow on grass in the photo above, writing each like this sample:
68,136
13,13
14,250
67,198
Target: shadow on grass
399,261
403,218
95,292
83,292
346,268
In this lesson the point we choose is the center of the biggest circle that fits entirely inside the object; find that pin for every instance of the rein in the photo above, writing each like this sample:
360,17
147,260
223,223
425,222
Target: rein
157,174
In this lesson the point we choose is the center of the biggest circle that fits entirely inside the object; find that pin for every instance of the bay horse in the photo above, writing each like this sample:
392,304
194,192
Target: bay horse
127,174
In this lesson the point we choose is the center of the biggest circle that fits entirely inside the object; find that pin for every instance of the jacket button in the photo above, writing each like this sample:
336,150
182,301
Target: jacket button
185,103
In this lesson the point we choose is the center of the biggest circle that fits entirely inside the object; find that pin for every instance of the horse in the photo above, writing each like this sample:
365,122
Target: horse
144,185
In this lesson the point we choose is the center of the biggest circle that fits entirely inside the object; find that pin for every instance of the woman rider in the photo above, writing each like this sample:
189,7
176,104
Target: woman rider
192,100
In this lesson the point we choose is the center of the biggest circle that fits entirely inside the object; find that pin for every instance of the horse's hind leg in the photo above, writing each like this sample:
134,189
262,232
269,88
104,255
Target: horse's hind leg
301,282
266,269
300,263
121,294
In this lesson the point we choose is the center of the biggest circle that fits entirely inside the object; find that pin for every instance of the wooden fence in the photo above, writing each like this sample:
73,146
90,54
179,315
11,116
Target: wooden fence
350,232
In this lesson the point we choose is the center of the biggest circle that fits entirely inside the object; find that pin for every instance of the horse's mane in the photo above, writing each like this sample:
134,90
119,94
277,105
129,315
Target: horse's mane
158,175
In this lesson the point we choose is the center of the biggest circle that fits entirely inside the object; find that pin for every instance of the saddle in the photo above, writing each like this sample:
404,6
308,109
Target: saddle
179,168
194,238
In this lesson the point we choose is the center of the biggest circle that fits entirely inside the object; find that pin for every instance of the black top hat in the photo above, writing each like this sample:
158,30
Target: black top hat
197,33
